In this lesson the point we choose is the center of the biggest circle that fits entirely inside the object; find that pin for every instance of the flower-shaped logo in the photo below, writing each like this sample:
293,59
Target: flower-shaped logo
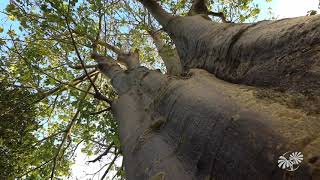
291,162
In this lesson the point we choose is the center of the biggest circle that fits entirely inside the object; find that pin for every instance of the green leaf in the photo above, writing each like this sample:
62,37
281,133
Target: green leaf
11,17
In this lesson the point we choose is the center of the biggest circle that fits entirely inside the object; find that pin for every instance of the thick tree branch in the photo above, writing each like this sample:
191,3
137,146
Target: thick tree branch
112,70
107,66
157,12
169,56
220,15
275,54
198,7
131,59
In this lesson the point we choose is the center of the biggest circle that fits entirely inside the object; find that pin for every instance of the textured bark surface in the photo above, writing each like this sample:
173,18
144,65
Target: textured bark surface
204,128
201,127
169,56
280,54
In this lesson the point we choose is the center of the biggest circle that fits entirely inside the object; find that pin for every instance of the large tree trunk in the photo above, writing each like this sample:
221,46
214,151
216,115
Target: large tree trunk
205,128
282,54
201,127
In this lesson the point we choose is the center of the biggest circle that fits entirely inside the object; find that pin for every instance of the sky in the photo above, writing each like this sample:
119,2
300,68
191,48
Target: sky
281,9
293,8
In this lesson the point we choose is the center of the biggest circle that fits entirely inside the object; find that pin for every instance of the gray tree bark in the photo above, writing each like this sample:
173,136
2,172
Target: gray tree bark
283,54
169,56
202,127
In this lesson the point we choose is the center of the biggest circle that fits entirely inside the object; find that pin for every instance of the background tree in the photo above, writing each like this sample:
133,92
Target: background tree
20,147
53,52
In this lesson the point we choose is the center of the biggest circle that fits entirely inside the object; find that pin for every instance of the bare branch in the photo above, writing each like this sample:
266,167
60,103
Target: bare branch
95,42
110,165
67,134
48,137
97,95
101,144
79,66
103,154
75,149
99,42
64,86
99,112
77,51
55,158
43,164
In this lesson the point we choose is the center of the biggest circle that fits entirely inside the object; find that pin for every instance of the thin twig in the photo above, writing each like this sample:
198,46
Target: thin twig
98,95
67,133
55,158
110,165
103,154
43,164
121,168
48,137
99,112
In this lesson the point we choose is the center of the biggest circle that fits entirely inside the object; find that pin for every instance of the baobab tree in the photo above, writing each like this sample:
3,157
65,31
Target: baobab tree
234,98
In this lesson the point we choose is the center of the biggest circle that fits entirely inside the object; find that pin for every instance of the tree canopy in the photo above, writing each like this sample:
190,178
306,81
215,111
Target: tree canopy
53,98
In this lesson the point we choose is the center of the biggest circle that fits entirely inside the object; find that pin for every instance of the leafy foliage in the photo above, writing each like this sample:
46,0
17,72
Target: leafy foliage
19,145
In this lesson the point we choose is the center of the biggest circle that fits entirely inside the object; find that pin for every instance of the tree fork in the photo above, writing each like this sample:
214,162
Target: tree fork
282,55
204,128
